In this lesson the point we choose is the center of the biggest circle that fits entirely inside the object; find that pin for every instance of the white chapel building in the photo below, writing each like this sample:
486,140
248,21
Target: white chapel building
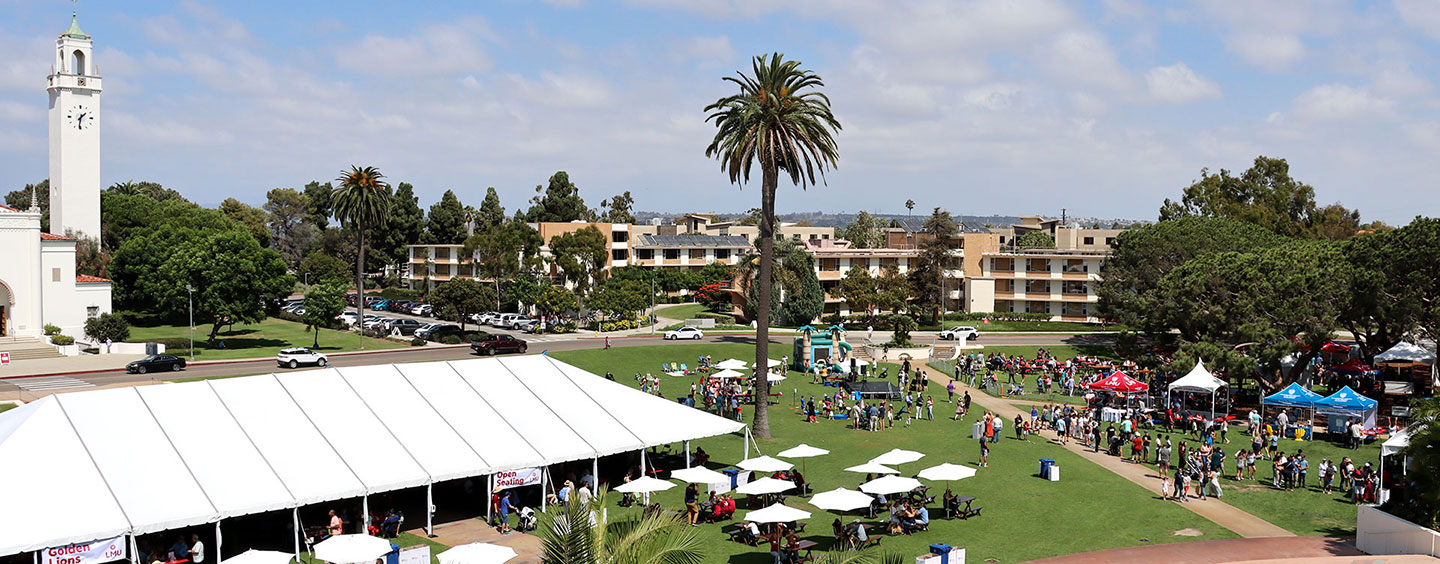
38,283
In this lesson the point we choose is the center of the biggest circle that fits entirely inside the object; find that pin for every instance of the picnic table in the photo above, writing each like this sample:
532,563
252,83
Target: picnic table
803,545
963,507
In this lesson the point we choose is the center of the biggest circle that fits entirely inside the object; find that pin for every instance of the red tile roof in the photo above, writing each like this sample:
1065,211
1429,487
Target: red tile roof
5,207
54,237
88,279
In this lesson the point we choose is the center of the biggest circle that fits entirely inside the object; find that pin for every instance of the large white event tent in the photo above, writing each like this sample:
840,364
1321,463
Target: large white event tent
217,449
1199,381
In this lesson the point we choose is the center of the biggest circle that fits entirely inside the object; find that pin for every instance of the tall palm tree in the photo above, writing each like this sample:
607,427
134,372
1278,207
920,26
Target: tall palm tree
579,534
781,121
361,198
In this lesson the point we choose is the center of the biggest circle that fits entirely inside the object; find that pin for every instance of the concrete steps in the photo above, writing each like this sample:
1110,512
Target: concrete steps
27,348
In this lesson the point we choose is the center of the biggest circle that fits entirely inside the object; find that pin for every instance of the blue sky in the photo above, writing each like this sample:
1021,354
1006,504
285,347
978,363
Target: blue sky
1104,107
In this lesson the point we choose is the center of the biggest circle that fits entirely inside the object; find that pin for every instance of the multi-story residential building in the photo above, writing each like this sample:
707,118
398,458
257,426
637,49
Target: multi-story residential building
689,251
705,223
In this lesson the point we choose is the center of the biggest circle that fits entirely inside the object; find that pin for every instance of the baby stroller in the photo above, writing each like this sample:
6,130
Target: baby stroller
527,520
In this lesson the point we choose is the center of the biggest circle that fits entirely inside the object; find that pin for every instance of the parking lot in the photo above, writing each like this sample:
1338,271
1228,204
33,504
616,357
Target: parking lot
469,326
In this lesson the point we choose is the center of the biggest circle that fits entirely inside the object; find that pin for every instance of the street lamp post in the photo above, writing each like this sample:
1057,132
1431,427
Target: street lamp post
191,291
653,318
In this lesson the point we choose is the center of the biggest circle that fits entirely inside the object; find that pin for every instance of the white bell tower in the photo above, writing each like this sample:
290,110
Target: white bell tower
74,135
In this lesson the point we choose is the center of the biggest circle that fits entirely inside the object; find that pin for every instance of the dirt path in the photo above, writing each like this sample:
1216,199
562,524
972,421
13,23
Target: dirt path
1223,514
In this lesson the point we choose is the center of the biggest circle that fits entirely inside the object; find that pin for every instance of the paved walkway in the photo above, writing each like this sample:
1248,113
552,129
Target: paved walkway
455,533
1226,515
1325,549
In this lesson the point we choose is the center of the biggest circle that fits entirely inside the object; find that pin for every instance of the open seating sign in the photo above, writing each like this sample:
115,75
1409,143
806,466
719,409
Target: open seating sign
96,552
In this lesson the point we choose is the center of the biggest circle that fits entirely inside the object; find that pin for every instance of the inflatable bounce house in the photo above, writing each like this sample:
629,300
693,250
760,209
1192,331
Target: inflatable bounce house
826,347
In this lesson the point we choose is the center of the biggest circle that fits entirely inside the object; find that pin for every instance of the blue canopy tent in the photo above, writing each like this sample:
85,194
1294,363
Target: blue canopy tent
1293,395
1348,403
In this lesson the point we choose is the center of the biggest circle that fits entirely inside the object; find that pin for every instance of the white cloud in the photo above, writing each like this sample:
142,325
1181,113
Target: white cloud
433,51
1178,84
1085,58
560,90
1334,102
1421,14
715,49
1266,50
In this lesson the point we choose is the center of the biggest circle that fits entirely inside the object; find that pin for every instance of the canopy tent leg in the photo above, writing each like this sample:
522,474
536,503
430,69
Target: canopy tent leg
544,471
430,509
134,551
218,557
687,454
365,515
645,495
295,518
595,475
747,443
1212,405
489,497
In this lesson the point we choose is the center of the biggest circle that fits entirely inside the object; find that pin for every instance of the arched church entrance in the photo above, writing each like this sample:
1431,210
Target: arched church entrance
6,299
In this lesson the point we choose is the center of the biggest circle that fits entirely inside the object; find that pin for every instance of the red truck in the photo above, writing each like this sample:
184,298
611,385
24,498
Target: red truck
495,344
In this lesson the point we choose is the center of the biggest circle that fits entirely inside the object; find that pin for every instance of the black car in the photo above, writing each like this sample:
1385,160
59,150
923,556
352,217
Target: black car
399,306
156,363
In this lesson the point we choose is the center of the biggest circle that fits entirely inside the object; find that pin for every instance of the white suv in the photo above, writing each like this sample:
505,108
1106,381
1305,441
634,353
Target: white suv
684,333
291,358
962,333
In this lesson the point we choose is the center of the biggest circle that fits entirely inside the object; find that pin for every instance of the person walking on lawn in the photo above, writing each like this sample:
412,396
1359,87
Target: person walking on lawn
984,454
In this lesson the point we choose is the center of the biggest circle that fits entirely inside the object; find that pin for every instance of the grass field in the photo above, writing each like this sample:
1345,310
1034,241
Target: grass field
258,340
680,311
1303,512
1024,517
1026,326
1060,352
7,407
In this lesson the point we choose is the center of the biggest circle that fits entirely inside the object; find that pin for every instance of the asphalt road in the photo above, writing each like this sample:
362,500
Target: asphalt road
433,353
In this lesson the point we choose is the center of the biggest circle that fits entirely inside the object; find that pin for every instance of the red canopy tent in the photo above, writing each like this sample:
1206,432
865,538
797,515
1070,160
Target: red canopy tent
1119,382
1334,347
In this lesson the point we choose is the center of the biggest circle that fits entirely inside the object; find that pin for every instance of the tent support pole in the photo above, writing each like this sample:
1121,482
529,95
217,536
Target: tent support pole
595,474
646,495
489,496
430,510
134,551
687,454
365,515
747,443
544,471
219,558
295,518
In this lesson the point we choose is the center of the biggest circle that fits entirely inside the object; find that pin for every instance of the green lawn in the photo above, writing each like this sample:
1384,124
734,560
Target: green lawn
1303,512
7,407
681,311
1024,517
254,341
1026,326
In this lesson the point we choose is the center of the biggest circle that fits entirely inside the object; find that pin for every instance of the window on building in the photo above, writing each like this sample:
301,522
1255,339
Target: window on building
861,263
1089,240
645,254
1109,241
619,236
92,312
619,254
825,236
1037,307
795,237
54,275
1037,287
829,264
722,254
672,254
697,254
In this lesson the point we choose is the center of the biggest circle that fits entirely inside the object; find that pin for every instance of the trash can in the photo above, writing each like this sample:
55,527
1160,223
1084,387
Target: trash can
734,476
977,431
1054,475
152,348
939,548
1045,464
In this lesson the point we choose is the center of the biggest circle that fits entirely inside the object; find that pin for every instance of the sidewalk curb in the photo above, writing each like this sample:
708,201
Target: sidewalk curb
231,361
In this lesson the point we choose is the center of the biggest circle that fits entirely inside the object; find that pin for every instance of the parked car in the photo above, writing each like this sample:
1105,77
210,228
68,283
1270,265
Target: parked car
421,309
686,332
498,344
530,326
380,305
291,358
377,323
399,306
964,332
404,326
434,331
519,322
347,318
156,363
371,300
504,320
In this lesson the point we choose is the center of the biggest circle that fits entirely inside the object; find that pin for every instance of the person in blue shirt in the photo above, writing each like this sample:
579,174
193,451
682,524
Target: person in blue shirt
505,507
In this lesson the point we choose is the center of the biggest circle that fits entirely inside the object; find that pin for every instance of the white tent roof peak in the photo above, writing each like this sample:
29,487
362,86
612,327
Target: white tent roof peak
1198,380
147,459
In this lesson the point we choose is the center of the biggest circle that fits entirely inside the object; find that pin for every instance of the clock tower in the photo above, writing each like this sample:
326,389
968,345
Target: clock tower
74,89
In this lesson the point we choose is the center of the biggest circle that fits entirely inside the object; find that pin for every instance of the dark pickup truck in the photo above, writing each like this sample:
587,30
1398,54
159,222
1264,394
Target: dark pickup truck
498,344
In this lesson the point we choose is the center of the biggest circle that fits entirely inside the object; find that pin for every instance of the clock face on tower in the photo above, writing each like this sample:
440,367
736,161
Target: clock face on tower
80,117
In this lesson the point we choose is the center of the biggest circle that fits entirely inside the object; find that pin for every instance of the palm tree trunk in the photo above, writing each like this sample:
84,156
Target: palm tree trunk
360,281
770,181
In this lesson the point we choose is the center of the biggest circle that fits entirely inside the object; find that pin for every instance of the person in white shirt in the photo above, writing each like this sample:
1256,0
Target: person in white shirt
1283,419
197,549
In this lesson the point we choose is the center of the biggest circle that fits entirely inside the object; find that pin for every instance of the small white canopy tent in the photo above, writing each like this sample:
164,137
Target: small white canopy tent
1391,447
1198,381
225,448
1406,352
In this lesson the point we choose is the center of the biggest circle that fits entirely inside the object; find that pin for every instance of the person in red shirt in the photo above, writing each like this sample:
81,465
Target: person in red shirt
1136,448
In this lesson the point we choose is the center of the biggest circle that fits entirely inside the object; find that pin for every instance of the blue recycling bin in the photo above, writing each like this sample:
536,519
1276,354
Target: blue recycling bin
393,557
939,548
734,476
1045,464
